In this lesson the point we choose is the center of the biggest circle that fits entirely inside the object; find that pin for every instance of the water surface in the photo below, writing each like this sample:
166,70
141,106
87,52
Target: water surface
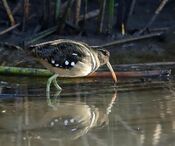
87,113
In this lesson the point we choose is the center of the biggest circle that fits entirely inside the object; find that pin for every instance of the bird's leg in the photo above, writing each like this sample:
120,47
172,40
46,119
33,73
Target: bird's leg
49,81
52,78
56,84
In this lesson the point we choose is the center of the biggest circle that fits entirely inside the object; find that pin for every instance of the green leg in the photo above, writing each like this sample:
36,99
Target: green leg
56,84
50,81
52,78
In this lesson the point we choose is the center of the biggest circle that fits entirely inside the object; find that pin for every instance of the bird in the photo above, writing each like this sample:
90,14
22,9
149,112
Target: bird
68,58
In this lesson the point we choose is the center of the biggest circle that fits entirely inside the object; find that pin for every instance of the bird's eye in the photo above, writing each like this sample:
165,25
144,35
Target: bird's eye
104,52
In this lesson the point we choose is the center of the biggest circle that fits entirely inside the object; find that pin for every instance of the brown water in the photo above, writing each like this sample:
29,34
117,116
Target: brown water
87,113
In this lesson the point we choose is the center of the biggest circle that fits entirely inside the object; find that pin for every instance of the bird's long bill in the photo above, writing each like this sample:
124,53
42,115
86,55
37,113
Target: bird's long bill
112,71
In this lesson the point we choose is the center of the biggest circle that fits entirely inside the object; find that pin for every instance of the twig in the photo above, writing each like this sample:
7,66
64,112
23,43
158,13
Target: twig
132,74
132,7
101,15
90,15
25,14
19,4
41,35
111,15
7,8
146,66
9,29
156,13
65,15
14,26
84,16
127,40
23,71
45,73
77,11
57,9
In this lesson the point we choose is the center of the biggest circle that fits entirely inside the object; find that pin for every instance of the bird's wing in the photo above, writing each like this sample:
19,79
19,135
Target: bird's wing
61,54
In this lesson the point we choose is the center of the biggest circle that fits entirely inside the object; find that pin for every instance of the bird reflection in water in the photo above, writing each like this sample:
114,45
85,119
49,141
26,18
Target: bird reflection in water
69,119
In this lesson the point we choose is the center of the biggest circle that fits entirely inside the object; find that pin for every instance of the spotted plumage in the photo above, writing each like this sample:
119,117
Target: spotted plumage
67,58
63,55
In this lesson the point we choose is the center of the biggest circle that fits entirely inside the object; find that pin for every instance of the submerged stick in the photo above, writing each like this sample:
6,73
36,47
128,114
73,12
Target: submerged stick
9,12
131,74
45,73
24,71
146,66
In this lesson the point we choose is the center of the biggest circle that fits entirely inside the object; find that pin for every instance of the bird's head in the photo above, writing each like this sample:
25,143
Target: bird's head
103,56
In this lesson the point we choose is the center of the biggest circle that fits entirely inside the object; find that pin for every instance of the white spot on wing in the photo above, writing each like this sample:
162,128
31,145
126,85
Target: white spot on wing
73,129
65,122
53,61
52,124
74,54
66,62
72,63
56,120
56,65
72,120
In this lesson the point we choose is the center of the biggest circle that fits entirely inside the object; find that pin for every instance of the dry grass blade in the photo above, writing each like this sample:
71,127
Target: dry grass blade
90,15
65,15
111,14
156,13
9,13
101,15
41,35
57,9
9,29
130,39
26,13
77,12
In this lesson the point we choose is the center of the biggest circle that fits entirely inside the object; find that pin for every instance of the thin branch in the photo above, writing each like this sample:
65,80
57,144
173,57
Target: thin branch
57,9
65,15
9,29
132,6
25,14
8,10
156,13
132,74
77,11
41,35
23,71
127,40
19,4
45,73
90,15
101,15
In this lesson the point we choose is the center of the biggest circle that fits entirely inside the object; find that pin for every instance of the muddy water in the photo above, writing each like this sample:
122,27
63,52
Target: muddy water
87,113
